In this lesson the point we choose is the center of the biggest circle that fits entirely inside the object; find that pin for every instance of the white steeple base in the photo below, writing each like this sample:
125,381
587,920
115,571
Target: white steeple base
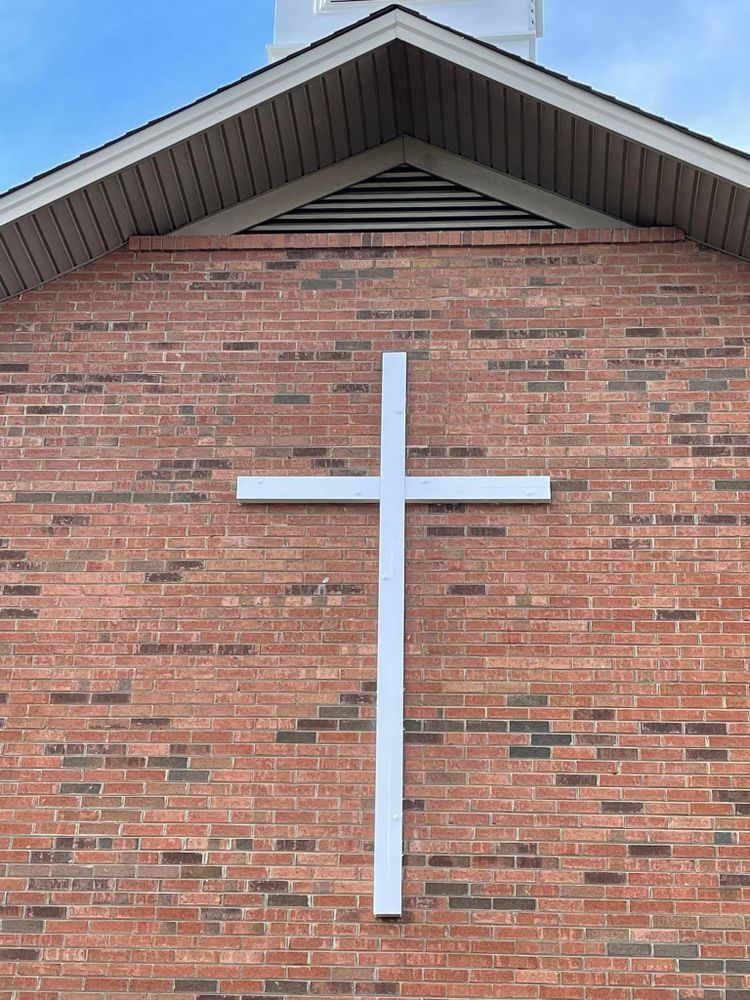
513,25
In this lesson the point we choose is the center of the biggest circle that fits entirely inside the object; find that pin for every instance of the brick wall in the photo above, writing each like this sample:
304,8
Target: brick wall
188,684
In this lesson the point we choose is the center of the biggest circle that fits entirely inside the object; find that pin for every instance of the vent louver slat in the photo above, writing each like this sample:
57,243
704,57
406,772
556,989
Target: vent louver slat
403,198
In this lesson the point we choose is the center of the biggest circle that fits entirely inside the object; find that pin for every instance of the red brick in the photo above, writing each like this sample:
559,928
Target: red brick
188,686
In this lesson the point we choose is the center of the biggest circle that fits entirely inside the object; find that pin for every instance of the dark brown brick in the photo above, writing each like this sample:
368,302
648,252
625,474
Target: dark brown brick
182,857
290,736
706,755
80,788
48,912
469,903
486,726
675,950
662,728
552,739
605,878
703,966
292,899
650,850
449,861
292,398
111,698
735,880
627,949
486,531
297,844
286,987
188,774
513,903
446,888
594,714
677,616
527,700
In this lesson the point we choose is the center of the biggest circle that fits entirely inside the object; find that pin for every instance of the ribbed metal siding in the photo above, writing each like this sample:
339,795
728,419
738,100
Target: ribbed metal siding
401,199
394,90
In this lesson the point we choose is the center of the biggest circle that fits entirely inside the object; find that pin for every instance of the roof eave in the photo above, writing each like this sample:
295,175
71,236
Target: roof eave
181,125
575,99
386,26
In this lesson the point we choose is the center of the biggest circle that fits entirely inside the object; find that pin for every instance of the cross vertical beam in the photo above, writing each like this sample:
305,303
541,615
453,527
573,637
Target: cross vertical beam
389,741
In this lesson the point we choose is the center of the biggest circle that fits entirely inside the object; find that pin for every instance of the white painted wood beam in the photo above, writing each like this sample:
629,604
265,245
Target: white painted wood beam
369,489
478,489
389,735
308,489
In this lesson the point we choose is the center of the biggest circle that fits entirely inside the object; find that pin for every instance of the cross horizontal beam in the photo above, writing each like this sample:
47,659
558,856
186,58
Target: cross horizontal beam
418,489
308,489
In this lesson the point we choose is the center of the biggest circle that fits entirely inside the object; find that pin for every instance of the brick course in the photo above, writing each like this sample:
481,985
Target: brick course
187,697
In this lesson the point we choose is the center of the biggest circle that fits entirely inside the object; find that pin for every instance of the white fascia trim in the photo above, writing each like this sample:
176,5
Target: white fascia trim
441,42
503,187
567,97
497,40
272,81
276,52
302,191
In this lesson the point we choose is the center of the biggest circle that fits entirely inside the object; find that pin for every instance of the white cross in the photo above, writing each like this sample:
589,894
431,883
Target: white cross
393,489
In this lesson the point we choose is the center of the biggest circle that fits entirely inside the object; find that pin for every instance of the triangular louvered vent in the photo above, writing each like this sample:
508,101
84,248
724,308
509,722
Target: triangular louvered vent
403,198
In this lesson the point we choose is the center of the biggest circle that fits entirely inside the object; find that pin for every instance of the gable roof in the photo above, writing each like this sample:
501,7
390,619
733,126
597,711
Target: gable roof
394,74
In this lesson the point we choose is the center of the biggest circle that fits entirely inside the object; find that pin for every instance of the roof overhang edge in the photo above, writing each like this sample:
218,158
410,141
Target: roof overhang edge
272,81
575,100
356,41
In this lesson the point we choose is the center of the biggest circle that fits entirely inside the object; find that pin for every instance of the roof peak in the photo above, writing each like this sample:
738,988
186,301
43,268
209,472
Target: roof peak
393,74
513,25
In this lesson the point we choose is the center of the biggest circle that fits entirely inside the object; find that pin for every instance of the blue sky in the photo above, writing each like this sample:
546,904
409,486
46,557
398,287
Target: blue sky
76,73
